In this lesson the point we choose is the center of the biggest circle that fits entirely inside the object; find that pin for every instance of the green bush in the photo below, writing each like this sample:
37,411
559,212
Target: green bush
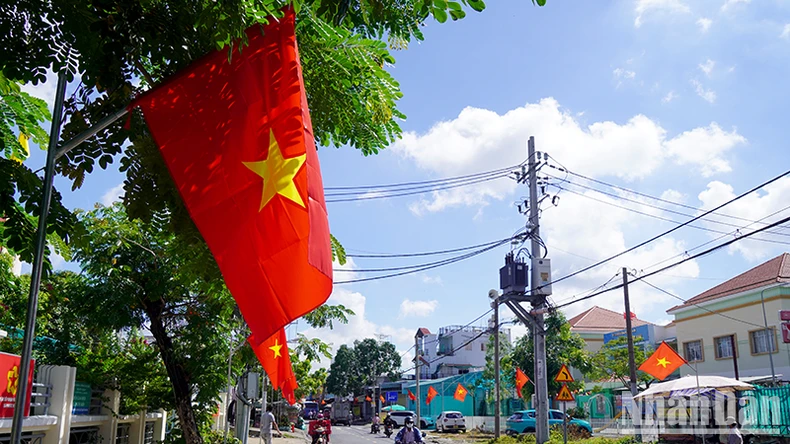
218,437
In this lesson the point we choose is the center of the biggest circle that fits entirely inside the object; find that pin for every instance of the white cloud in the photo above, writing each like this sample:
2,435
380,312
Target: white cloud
754,206
669,97
785,32
658,6
705,147
417,308
707,67
707,94
731,3
481,140
704,24
426,279
621,74
16,268
112,195
673,196
45,90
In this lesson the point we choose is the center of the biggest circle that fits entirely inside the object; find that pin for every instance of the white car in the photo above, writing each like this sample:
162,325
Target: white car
451,421
400,418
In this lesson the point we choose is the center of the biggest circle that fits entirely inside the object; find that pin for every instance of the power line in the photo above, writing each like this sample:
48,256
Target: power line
665,219
704,308
680,213
426,253
703,253
426,266
643,243
422,182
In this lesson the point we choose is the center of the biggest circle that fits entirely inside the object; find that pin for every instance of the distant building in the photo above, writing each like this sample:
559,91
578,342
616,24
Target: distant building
455,350
738,309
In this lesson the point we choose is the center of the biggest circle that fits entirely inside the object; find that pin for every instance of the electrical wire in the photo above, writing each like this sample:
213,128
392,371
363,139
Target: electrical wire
426,267
670,266
422,182
680,213
665,219
686,301
439,358
426,253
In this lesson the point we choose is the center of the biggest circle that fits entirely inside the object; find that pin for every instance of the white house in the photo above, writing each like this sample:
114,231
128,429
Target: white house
455,350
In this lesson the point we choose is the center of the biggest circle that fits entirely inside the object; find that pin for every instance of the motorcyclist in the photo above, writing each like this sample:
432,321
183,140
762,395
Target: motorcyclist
318,427
374,428
388,421
409,434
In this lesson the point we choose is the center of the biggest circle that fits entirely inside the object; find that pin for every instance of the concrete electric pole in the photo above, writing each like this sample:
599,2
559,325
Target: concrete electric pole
631,362
497,389
417,338
538,302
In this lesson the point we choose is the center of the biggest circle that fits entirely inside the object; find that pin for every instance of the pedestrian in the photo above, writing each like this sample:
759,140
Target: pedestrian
735,436
268,424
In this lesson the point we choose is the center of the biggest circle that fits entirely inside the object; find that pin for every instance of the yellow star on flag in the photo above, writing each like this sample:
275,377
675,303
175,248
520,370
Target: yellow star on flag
13,380
278,174
276,349
662,362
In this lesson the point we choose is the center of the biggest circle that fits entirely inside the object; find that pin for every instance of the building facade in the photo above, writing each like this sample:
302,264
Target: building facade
736,312
455,350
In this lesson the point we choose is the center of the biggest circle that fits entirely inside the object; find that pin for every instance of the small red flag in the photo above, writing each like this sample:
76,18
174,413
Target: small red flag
368,399
460,393
381,398
521,380
274,357
411,395
662,362
238,141
431,394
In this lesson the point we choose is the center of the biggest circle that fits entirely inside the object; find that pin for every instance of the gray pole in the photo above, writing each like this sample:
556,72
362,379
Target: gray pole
38,261
497,392
631,363
734,346
770,333
417,376
538,301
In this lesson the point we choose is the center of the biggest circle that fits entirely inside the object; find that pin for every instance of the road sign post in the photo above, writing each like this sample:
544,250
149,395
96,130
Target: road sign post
564,396
564,375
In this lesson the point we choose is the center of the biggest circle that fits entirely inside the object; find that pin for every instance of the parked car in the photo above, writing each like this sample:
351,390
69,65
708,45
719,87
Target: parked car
451,421
400,416
523,421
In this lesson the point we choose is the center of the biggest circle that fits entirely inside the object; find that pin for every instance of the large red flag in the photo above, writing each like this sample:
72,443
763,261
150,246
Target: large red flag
460,393
274,357
237,139
663,362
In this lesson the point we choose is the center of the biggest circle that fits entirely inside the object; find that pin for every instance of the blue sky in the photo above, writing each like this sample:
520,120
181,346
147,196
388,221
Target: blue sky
672,98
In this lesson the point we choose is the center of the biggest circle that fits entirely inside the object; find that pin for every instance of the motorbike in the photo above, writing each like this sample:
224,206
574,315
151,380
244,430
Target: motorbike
374,428
388,429
321,431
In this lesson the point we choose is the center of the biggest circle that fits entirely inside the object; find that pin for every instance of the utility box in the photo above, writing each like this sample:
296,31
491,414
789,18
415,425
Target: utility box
513,277
541,269
252,387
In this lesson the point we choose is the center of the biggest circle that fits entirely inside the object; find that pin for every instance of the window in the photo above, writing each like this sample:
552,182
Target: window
482,346
531,413
723,347
763,341
454,415
556,415
693,351
516,417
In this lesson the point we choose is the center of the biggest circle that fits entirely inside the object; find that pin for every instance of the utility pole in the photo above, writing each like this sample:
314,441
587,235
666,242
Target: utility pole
733,345
538,302
497,392
630,335
417,373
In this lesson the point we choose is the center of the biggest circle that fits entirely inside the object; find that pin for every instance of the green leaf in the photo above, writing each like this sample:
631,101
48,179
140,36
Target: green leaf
477,5
440,15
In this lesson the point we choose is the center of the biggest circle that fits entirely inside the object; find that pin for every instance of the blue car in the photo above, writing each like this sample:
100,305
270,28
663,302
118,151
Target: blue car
523,421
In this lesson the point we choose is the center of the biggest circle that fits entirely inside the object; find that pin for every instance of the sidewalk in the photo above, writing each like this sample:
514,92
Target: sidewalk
297,437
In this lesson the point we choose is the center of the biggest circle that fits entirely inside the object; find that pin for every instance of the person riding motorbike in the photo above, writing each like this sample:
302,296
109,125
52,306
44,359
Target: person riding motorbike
389,424
319,427
374,427
409,434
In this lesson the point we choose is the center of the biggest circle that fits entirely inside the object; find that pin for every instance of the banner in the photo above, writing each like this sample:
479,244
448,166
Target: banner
9,381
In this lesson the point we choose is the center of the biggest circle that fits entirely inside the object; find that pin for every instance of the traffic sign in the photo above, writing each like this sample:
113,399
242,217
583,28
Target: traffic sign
784,315
565,394
564,375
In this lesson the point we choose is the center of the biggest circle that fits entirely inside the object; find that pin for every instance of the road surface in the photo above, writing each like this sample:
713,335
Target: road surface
359,435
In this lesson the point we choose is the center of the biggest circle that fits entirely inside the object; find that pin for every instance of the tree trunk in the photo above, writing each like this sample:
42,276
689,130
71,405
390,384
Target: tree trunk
175,371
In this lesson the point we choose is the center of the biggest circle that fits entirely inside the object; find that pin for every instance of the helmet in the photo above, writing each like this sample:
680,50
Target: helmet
409,420
320,416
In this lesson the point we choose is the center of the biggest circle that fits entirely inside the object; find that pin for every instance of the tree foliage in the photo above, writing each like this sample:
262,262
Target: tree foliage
507,368
357,367
611,361
562,347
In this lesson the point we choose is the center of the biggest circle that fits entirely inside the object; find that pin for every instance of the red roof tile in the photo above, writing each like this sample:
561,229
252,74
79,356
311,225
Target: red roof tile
602,320
771,272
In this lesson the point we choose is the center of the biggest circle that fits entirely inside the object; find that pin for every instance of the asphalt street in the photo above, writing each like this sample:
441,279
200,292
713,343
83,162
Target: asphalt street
359,435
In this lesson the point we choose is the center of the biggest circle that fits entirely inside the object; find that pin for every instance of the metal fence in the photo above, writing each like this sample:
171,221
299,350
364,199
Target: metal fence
766,410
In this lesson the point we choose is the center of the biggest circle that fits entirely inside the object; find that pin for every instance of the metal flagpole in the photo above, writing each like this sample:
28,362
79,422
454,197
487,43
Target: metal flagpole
38,261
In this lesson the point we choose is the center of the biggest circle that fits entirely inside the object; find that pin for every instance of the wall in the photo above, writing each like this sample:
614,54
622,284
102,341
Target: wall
696,323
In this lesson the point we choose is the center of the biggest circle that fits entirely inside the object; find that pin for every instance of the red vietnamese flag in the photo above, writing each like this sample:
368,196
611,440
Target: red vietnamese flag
274,357
521,380
381,398
238,142
662,362
431,394
460,393
411,395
